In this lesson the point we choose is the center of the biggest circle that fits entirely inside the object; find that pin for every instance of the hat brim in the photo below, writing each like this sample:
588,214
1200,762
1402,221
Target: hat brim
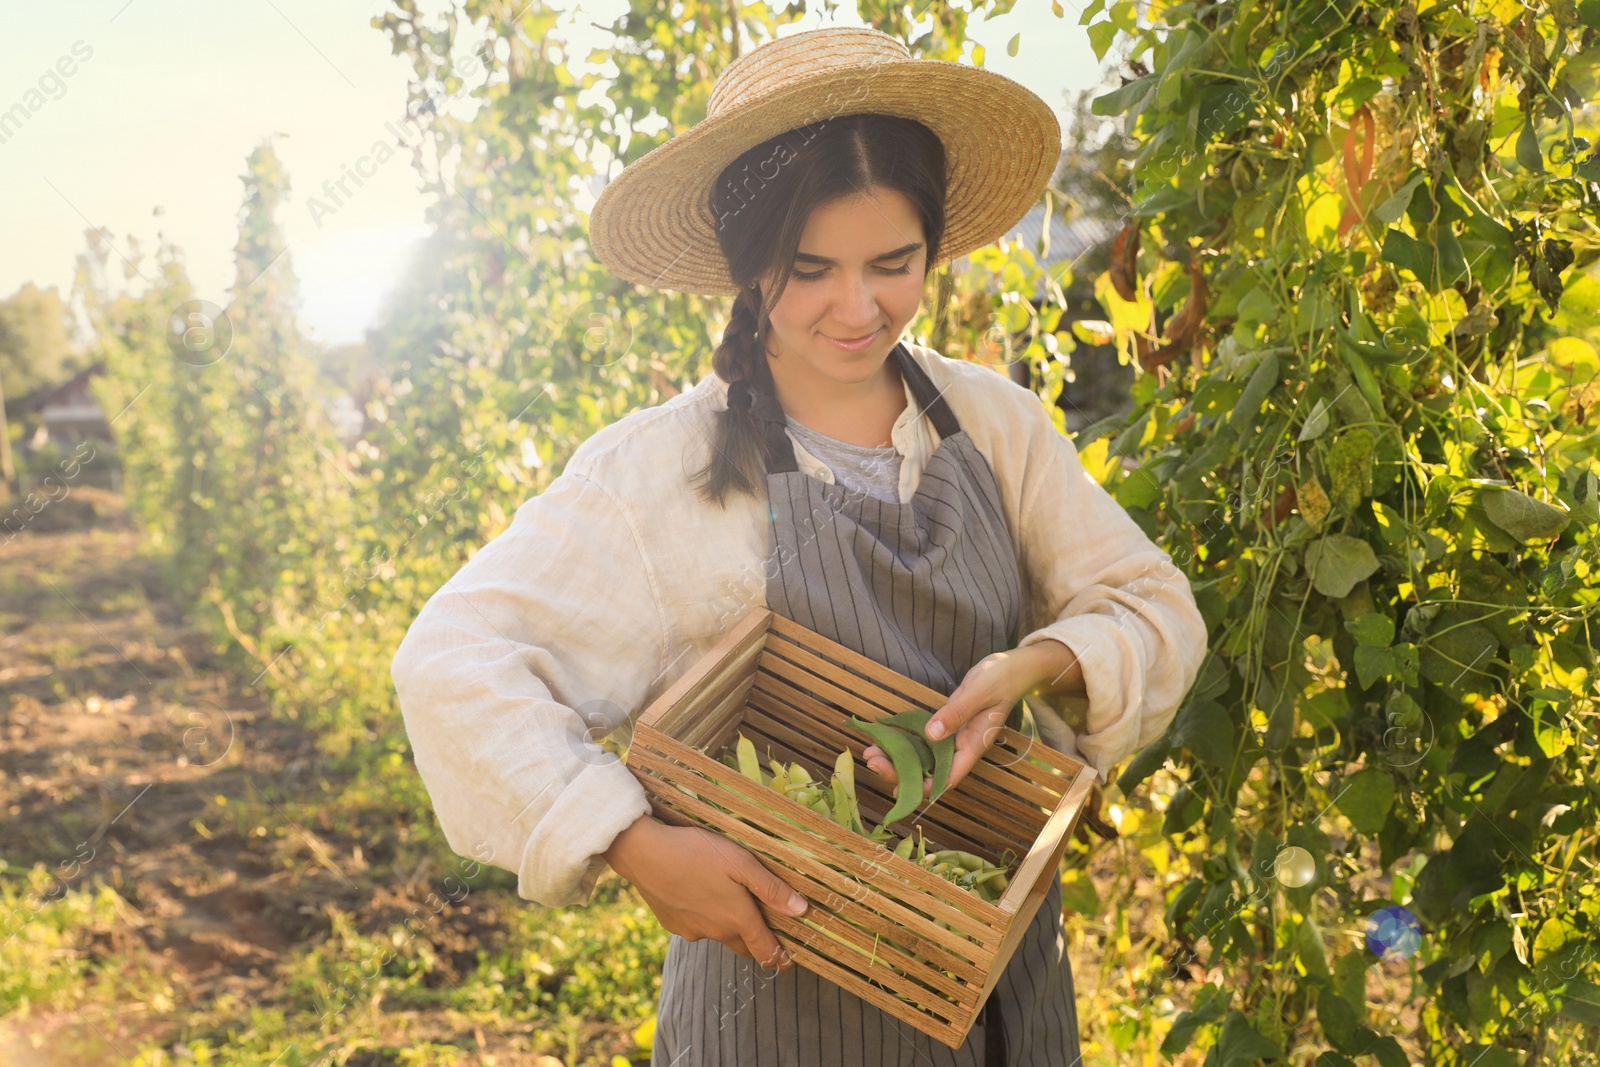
653,223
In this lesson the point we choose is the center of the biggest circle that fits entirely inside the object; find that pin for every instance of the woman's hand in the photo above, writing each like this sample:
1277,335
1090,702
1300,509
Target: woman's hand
978,707
700,884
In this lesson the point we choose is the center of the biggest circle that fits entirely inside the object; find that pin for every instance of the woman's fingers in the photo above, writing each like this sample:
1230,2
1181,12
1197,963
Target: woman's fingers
973,740
990,681
879,764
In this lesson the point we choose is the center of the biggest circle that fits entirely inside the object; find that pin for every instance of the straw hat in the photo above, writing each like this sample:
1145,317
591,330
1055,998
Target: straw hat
653,223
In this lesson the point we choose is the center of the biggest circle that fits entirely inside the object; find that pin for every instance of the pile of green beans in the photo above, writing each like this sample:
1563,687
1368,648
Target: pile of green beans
836,799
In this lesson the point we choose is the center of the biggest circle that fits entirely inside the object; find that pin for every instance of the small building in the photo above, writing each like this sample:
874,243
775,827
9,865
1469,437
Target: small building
68,413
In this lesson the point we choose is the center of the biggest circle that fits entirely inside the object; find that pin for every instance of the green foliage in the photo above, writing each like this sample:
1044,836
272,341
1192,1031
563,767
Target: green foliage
1377,464
36,349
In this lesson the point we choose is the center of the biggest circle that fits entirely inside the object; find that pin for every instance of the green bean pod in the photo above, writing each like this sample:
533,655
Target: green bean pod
749,763
896,744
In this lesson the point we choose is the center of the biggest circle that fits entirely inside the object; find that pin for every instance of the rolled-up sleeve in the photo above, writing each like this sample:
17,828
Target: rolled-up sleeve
1116,599
543,642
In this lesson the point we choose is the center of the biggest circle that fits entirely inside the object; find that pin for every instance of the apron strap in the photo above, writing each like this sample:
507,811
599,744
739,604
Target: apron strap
994,1034
929,399
770,418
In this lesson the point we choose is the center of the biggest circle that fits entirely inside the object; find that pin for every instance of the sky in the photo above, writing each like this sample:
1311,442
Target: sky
140,114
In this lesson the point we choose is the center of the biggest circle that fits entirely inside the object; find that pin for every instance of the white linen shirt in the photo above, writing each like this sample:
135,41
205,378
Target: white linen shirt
615,580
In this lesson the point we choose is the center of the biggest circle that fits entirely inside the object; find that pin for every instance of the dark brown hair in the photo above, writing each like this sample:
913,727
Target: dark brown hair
761,202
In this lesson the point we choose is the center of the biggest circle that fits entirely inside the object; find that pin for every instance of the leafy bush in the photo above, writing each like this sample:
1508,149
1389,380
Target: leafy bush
1364,434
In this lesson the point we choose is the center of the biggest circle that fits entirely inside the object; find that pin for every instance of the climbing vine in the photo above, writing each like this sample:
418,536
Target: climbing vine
1358,273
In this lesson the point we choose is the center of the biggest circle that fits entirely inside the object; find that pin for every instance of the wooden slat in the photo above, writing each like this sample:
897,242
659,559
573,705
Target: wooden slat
952,1033
903,688
948,903
915,956
906,969
874,803
1051,844
770,688
710,692
722,717
904,914
897,887
826,899
1042,867
1019,757
939,822
1020,821
853,695
675,706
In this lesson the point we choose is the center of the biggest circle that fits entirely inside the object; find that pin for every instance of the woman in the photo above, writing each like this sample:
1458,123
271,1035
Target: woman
921,510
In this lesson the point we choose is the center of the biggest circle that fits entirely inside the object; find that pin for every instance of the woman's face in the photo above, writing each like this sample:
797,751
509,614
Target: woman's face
858,273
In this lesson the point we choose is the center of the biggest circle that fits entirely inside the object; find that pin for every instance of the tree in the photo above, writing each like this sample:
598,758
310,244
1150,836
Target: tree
36,345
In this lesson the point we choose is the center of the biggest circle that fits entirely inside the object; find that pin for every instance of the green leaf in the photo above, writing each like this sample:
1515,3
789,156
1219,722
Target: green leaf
1360,89
1094,8
1337,562
1139,489
1325,707
1408,253
1120,100
1350,977
1011,45
1581,1002
1350,467
1340,1023
1528,148
1101,34
1372,664
1240,1044
1372,628
1390,210
1366,798
1204,728
1452,262
1182,1032
1078,894
1183,811
1310,950
1316,422
1147,761
1523,517
1388,1052
1258,308
1262,379
1164,199
1314,312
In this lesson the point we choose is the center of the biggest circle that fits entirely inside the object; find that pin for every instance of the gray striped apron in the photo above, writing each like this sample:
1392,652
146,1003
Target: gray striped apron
926,588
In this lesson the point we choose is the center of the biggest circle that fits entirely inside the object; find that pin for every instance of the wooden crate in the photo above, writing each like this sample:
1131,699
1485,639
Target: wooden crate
790,690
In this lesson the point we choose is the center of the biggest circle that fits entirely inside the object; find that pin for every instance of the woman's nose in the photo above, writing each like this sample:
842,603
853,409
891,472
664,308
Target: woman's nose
857,303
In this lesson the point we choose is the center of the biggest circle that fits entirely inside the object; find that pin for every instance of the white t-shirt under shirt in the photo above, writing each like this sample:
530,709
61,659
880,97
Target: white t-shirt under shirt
873,471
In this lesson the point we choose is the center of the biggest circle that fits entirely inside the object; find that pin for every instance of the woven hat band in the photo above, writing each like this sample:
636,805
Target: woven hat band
779,63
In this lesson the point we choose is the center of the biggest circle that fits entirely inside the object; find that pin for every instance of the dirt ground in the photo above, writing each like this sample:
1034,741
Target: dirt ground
123,747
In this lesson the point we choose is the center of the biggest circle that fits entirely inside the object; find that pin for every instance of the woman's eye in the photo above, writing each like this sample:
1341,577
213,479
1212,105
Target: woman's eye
903,269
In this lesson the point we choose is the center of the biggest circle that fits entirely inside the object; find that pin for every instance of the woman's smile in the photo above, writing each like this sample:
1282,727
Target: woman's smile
857,344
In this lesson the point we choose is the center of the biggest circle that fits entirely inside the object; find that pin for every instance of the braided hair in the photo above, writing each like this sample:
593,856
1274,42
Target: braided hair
761,202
